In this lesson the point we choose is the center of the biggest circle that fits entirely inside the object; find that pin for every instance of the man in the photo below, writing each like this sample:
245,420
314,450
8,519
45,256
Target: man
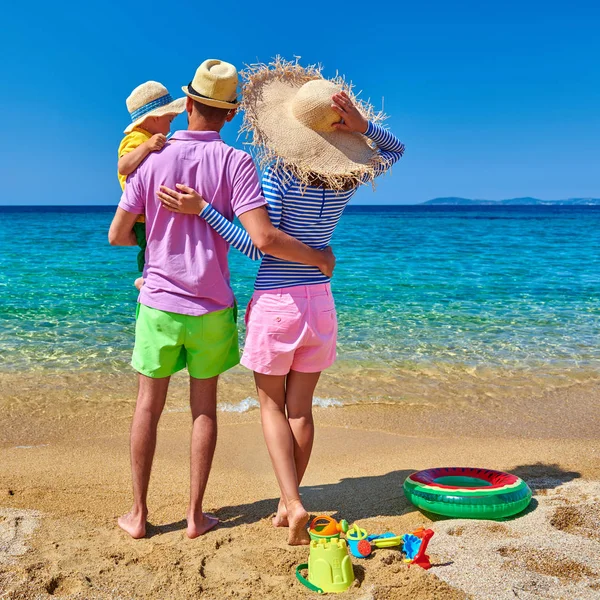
186,306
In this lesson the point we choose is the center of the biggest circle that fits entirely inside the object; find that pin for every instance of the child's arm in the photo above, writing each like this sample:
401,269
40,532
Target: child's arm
130,161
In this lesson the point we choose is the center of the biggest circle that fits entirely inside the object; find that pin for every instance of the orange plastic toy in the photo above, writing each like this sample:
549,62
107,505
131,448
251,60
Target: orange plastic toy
326,527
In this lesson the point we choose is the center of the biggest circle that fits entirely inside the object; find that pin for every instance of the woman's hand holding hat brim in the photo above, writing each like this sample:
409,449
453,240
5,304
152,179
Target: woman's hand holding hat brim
353,120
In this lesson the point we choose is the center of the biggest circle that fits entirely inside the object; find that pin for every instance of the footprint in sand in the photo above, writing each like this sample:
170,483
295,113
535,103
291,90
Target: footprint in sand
63,586
15,527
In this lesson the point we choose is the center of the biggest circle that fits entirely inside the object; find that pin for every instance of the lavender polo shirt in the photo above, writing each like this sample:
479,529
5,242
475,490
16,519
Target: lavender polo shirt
186,268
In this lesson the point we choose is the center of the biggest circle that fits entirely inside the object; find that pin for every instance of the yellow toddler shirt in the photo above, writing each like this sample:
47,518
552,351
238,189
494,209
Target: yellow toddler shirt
130,142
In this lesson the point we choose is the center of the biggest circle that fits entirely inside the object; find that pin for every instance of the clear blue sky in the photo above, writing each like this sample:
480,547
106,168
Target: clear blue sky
493,100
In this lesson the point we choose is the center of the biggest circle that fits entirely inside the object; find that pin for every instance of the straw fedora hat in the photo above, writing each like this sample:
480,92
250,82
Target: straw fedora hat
151,99
215,84
288,112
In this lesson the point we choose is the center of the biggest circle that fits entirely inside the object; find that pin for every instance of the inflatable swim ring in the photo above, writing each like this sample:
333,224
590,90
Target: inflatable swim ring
467,492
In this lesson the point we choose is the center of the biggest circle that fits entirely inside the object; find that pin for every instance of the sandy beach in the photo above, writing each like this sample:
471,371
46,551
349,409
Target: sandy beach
64,479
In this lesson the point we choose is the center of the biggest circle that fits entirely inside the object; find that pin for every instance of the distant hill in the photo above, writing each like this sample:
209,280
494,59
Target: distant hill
513,202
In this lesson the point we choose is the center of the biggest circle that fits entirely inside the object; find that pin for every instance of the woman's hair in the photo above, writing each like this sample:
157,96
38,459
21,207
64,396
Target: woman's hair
316,181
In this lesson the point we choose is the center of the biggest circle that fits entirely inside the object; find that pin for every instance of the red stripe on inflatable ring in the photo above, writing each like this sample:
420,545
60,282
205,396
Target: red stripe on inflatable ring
497,479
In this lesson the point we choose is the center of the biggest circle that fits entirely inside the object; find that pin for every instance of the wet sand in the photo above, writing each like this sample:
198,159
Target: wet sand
64,480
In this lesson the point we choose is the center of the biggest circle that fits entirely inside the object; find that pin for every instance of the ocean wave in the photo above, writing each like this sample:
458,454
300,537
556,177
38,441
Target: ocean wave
327,402
249,403
241,407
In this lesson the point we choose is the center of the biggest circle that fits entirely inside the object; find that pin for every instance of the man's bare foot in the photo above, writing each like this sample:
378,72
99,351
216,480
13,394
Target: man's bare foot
199,524
298,518
139,282
281,518
134,523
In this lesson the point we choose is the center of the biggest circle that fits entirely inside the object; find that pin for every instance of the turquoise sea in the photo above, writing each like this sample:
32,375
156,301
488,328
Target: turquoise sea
421,290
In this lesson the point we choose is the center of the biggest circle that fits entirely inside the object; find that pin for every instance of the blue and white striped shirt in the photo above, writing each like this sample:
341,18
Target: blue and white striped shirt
308,213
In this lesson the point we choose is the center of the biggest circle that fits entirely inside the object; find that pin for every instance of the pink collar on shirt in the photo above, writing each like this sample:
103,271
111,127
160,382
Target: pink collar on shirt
196,136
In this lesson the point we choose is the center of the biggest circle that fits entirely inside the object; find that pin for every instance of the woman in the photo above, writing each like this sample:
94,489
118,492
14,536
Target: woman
320,144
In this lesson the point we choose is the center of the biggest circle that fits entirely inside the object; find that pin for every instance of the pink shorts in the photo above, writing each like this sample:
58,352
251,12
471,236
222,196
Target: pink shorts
293,328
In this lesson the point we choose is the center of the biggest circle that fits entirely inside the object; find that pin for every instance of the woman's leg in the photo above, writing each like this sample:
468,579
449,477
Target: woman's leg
280,443
299,392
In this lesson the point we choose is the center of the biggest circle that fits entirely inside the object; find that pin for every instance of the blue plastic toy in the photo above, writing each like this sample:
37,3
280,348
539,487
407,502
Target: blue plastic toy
415,545
361,543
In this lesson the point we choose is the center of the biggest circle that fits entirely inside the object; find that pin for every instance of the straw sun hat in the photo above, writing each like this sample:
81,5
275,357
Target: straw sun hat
288,111
151,99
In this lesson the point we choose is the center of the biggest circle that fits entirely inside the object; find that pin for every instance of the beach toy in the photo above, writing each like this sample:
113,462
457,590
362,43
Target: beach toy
361,543
415,545
468,492
324,527
329,567
357,542
385,540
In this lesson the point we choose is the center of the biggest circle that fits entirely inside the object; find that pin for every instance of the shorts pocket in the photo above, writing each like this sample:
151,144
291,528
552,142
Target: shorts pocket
282,322
324,316
322,305
279,304
327,322
270,318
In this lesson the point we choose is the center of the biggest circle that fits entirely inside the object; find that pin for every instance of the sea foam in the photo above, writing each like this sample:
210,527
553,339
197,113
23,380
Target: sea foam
251,403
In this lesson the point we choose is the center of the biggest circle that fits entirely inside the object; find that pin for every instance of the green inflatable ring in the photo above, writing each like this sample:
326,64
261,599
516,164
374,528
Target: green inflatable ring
467,492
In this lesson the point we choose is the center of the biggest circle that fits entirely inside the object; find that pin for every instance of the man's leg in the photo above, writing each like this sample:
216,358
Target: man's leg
211,345
299,391
152,394
203,402
280,443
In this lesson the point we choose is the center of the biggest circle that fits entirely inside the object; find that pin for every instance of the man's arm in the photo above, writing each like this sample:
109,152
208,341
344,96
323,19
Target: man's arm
247,197
121,229
258,225
273,241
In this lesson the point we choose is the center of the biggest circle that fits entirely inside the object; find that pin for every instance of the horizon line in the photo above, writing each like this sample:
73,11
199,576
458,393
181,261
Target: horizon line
426,203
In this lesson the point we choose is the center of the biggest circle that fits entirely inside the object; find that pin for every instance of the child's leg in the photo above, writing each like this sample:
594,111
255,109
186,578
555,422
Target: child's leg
280,443
139,228
300,388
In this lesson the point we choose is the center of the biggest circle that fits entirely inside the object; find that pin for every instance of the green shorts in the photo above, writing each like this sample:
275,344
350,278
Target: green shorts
166,342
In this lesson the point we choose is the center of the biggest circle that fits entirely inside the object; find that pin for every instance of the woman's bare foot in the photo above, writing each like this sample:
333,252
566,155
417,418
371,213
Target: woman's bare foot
281,518
298,518
199,524
134,523
139,282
